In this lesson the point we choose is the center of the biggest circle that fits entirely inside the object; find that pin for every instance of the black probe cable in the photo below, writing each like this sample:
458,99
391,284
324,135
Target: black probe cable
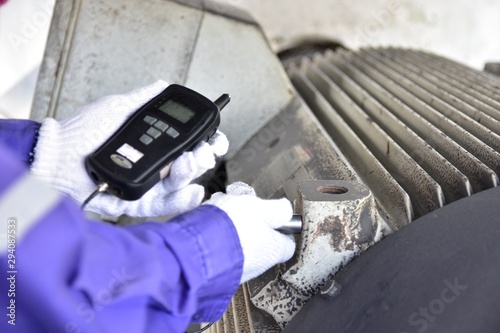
100,188
204,328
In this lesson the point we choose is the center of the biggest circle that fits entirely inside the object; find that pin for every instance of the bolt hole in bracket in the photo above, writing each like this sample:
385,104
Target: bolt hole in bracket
339,220
332,189
294,226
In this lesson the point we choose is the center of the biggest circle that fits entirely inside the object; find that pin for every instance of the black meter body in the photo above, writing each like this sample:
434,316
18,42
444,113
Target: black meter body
139,154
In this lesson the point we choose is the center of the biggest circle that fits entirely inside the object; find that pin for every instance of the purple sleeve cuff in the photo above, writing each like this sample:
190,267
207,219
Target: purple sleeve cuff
19,136
208,249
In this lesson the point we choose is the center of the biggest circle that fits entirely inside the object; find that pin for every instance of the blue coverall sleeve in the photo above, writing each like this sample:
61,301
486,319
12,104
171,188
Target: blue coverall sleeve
19,136
77,275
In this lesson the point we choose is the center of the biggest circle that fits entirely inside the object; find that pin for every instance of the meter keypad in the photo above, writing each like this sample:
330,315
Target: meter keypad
156,129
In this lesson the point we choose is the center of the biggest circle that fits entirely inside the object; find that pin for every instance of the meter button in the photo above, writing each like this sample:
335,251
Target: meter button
161,125
146,139
153,132
121,161
150,120
172,132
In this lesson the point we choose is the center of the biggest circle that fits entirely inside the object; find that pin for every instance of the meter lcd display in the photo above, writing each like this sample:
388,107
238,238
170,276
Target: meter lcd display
177,111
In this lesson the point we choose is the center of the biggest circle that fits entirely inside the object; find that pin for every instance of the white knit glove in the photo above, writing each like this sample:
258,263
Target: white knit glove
255,221
63,146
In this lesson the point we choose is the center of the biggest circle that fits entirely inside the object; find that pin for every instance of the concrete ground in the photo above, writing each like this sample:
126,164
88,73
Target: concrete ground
463,30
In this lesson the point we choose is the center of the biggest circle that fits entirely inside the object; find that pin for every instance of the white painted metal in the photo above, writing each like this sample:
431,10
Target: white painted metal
98,48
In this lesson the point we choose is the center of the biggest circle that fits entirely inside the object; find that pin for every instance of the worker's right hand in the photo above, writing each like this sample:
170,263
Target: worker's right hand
256,221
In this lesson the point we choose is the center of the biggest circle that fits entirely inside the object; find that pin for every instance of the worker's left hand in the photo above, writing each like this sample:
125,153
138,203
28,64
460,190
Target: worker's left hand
63,146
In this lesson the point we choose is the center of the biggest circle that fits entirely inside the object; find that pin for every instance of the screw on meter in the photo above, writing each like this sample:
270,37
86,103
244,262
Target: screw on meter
139,154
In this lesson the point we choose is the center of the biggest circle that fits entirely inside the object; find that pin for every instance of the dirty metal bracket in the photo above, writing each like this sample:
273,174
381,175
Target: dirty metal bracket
339,220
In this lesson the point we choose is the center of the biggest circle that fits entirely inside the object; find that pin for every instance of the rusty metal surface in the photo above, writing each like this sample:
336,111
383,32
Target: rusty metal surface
412,134
293,147
340,220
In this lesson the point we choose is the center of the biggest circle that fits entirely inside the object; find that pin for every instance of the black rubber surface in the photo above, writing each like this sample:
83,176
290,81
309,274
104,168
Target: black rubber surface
441,273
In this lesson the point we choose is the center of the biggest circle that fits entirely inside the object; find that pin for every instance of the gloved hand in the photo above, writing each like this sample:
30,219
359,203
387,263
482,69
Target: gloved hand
62,147
255,221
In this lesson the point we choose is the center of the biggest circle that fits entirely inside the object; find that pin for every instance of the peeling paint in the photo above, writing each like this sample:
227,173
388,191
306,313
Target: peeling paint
337,226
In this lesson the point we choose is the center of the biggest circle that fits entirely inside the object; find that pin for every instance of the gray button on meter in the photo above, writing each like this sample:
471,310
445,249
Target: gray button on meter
172,132
121,161
153,132
161,125
146,139
150,120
